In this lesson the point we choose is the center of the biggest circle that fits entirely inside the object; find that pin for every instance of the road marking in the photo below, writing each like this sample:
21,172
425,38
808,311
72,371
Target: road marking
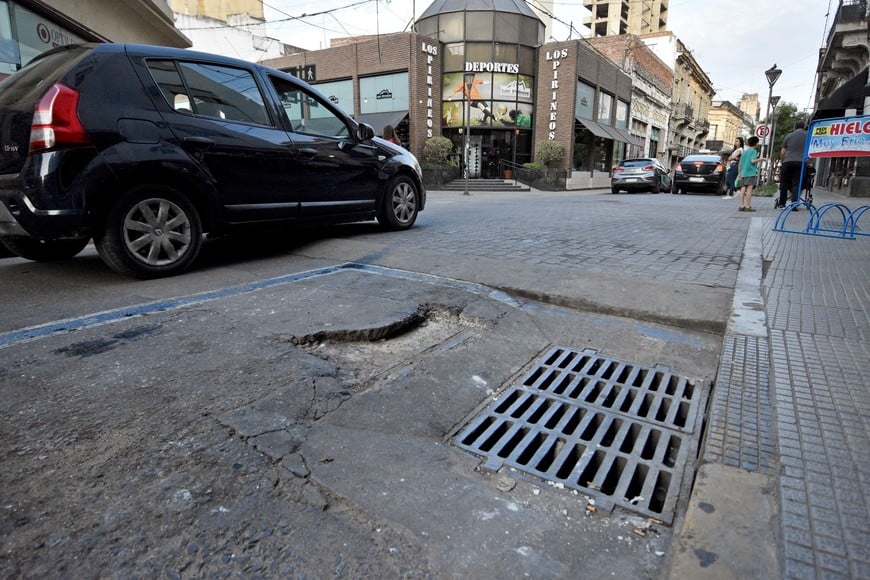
39,331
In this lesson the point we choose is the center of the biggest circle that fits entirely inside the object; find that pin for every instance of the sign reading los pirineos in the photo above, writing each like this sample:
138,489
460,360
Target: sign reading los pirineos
555,57
431,51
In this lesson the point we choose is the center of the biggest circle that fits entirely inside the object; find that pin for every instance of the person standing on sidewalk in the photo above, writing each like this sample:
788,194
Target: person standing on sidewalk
733,169
792,156
748,174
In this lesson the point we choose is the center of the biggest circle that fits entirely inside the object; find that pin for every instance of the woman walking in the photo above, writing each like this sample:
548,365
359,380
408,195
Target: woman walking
733,169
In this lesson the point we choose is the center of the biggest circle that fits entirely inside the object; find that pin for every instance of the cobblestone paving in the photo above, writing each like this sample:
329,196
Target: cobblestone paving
817,303
609,234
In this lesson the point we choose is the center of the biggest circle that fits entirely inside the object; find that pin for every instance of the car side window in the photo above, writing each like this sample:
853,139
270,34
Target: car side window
307,113
209,90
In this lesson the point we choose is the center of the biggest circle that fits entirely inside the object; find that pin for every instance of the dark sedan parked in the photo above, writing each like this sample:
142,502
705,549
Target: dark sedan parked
147,149
640,175
700,173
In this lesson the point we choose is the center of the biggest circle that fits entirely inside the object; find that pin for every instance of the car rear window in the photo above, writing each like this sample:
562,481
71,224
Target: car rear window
637,162
33,80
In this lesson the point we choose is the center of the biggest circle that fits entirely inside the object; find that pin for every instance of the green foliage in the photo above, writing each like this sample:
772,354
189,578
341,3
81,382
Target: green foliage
550,152
786,116
436,150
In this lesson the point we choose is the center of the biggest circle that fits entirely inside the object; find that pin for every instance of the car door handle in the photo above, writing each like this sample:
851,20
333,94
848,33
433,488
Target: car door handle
199,142
308,153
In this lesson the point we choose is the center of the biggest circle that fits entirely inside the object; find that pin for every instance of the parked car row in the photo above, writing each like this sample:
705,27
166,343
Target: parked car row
702,173
146,149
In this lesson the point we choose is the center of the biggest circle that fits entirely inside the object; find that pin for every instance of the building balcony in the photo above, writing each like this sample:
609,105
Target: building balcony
682,111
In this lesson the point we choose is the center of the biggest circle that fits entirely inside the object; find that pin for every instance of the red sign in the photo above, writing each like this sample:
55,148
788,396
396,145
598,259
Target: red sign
762,131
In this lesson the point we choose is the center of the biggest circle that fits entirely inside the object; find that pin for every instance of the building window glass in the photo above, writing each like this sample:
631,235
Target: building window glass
531,32
506,52
454,57
9,56
583,108
339,92
507,27
383,93
621,114
605,109
452,27
428,27
527,60
478,25
478,52
35,35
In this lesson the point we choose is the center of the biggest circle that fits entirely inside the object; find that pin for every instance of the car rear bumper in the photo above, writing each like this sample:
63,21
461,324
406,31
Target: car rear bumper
21,216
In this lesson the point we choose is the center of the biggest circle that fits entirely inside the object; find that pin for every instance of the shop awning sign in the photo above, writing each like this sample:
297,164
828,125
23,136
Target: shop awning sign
840,137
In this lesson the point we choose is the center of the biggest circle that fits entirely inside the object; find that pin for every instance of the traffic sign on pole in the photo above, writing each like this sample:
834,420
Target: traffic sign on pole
762,131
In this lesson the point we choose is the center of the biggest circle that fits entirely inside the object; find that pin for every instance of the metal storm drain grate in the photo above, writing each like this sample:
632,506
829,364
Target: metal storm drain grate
618,431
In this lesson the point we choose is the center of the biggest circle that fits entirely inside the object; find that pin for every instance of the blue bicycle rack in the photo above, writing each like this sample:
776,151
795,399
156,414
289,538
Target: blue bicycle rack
819,220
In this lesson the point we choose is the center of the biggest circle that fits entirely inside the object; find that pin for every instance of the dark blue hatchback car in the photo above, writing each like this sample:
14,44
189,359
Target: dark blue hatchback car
145,149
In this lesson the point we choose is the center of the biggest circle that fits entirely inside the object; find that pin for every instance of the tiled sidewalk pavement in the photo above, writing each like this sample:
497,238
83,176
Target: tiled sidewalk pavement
792,400
817,295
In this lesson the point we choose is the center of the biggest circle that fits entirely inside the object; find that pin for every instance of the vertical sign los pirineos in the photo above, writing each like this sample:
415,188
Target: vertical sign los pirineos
554,57
431,52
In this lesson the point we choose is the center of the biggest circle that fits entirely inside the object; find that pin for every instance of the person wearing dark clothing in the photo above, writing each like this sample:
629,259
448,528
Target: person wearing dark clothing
791,155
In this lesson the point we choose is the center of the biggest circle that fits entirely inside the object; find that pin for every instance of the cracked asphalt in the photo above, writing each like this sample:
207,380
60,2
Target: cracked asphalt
302,429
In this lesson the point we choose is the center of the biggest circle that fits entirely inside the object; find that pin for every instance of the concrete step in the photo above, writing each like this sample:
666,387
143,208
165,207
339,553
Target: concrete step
482,185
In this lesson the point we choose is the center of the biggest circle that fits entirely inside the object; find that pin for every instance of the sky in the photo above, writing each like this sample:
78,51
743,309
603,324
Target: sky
733,42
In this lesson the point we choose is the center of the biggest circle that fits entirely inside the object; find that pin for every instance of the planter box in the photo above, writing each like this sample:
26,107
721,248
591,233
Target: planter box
435,175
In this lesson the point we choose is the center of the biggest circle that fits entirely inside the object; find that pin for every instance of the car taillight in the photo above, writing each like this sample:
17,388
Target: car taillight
649,168
56,121
719,168
617,169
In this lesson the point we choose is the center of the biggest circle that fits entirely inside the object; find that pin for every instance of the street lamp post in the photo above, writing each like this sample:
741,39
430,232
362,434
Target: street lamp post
774,101
772,75
468,79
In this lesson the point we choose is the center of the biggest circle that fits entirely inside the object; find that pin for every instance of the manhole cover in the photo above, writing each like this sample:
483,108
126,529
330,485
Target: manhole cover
622,432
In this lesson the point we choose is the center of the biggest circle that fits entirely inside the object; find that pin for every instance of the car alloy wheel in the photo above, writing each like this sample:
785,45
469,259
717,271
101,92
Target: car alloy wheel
400,208
151,232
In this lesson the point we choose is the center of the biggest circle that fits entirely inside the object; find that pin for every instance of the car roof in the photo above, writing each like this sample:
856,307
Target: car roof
636,159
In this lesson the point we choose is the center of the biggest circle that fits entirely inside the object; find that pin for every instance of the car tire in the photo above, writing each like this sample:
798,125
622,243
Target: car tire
151,232
401,204
614,190
45,250
656,187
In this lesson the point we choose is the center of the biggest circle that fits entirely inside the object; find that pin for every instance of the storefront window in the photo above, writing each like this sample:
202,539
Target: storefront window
9,55
605,109
621,114
382,93
36,34
339,92
584,107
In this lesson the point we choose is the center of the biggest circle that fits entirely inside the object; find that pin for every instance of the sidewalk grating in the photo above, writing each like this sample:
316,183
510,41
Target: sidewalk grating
622,432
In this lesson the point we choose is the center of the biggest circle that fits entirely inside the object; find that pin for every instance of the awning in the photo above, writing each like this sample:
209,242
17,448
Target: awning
609,132
380,120
597,130
628,137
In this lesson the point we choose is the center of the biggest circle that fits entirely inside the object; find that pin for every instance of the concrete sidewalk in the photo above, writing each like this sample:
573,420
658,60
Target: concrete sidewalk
782,491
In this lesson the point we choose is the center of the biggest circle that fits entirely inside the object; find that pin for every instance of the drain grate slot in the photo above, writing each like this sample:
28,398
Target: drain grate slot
608,428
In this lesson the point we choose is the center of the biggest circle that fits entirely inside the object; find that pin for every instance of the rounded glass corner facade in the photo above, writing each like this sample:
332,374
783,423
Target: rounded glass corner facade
488,75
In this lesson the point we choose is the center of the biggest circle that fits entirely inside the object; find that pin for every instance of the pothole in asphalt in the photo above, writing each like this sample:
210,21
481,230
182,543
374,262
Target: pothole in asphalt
383,347
624,433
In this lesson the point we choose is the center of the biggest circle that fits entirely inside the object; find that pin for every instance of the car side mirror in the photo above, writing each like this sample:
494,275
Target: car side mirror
365,132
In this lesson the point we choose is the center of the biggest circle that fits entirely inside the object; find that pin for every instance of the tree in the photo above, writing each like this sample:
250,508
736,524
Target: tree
550,153
786,116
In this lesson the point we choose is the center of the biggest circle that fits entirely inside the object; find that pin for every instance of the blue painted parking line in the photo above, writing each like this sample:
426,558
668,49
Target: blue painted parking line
110,316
